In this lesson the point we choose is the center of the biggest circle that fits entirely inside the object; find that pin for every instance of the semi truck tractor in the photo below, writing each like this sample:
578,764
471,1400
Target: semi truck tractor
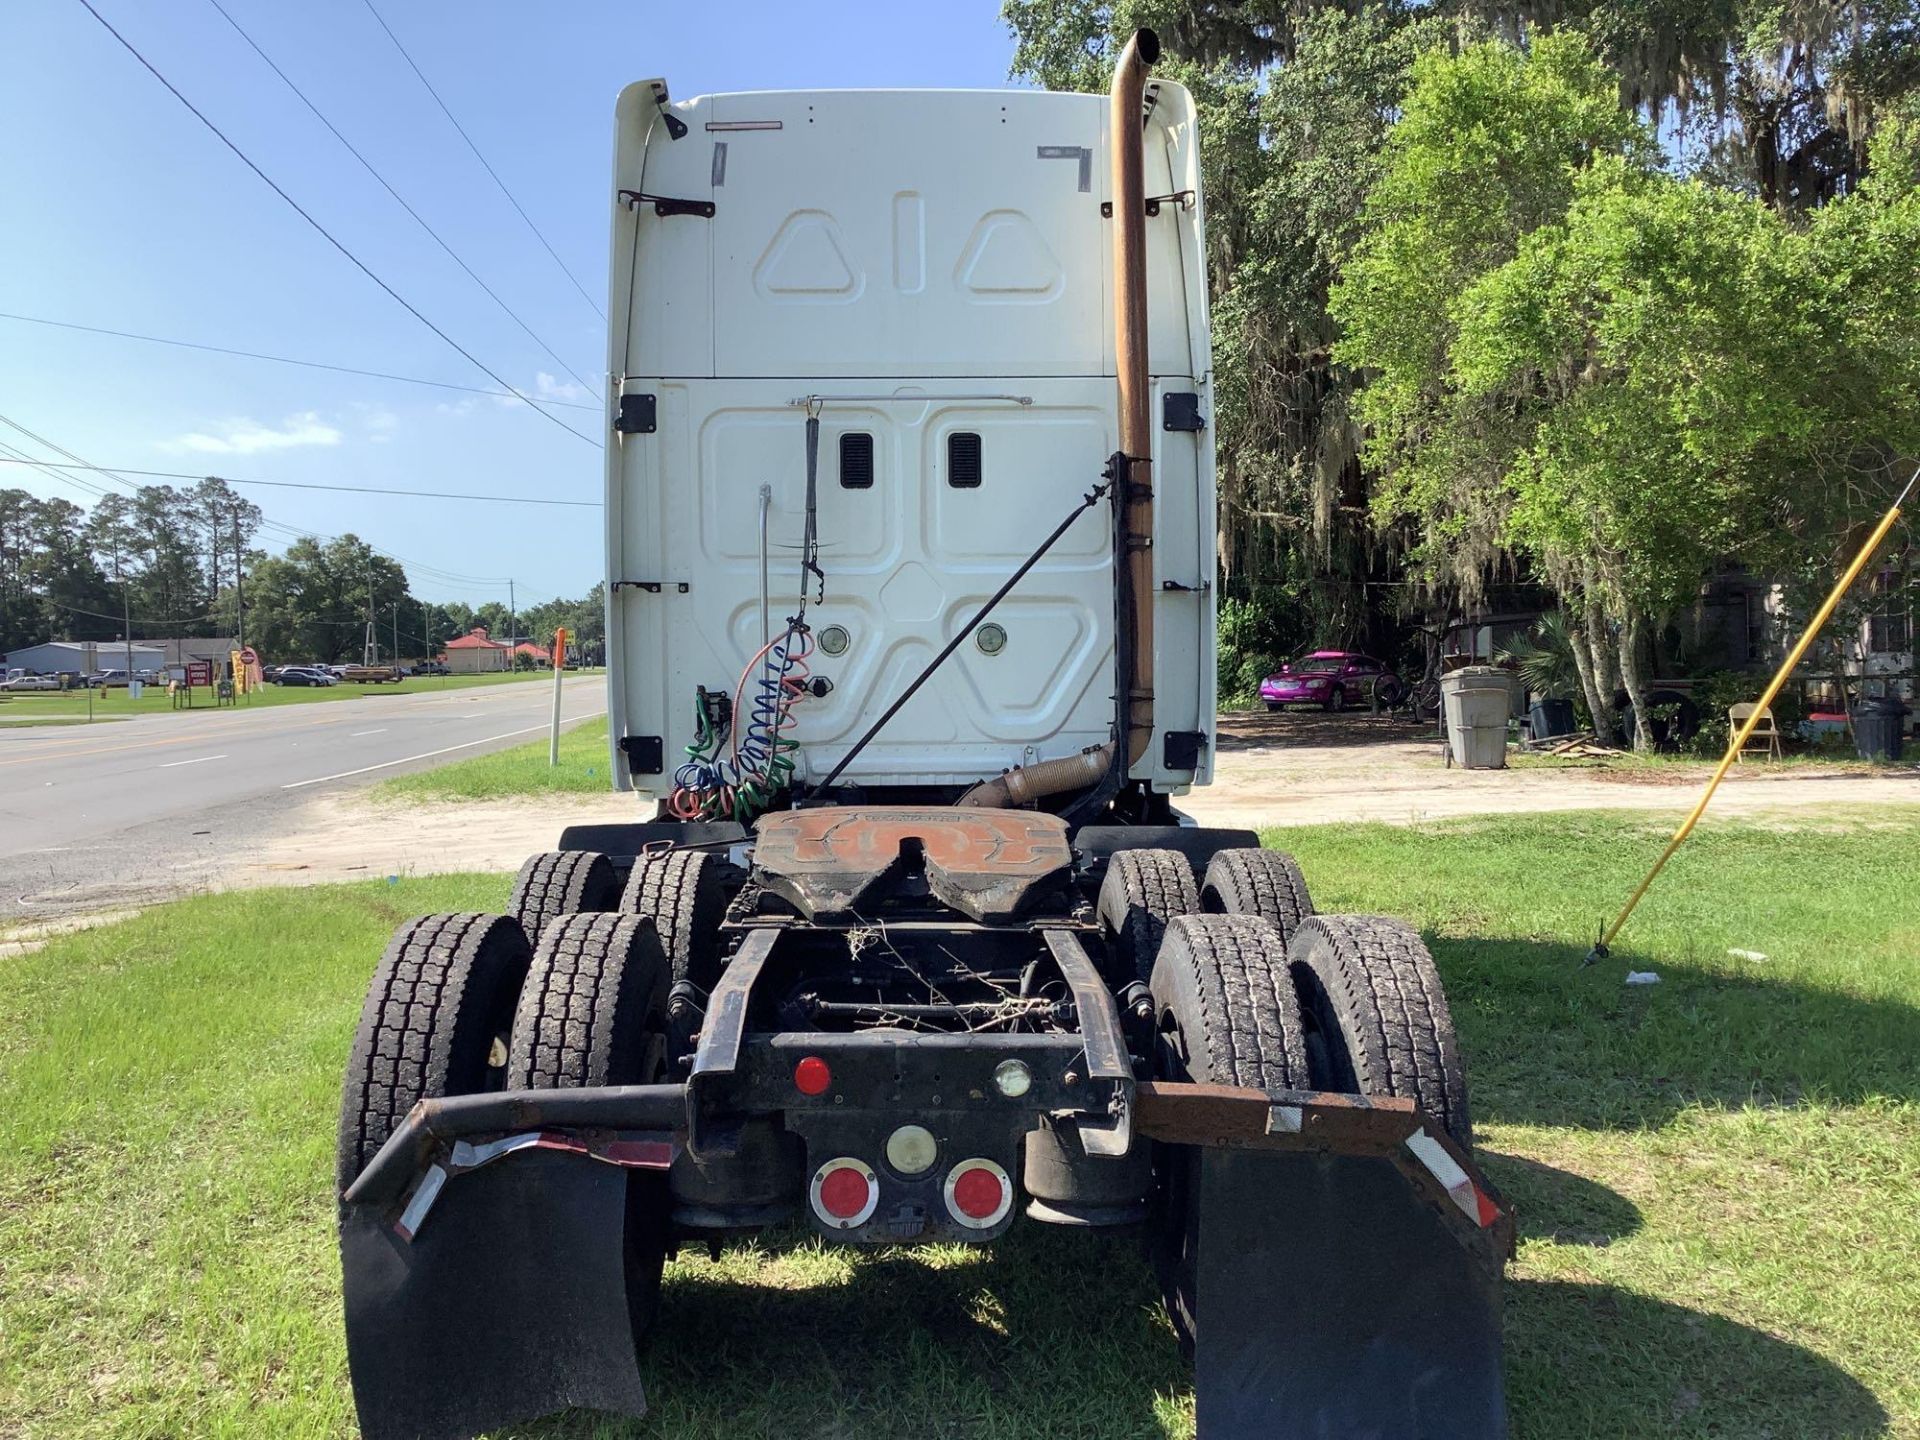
910,632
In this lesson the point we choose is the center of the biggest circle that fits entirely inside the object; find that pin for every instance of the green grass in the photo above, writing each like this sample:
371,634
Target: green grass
1718,1177
29,707
523,770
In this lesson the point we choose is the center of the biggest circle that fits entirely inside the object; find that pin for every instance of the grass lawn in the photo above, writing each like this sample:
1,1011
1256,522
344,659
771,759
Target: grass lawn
1718,1176
68,706
523,770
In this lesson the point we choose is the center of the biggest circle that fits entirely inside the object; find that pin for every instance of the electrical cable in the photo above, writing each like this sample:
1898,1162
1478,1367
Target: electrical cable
346,489
400,199
483,161
327,234
283,359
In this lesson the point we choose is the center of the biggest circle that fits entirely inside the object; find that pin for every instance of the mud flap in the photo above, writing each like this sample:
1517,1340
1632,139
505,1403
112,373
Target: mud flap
1332,1301
510,1301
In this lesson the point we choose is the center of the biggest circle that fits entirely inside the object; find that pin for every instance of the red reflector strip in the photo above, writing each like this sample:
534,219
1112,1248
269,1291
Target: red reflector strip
1472,1200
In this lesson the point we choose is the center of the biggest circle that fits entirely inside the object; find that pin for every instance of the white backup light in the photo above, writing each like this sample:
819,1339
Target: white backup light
911,1150
1012,1078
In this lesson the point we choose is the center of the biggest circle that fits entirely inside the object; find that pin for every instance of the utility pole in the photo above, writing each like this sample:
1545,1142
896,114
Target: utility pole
239,588
426,631
126,617
370,647
395,657
513,624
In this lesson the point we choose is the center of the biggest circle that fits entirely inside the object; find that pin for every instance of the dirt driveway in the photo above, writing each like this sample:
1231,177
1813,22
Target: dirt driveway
1307,768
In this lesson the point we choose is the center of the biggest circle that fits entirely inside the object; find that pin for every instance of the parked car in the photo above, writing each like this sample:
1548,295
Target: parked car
298,675
107,679
272,674
19,682
431,667
1331,679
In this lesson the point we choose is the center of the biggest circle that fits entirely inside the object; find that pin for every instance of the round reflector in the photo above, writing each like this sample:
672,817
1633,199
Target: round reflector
844,1192
811,1076
1012,1079
979,1194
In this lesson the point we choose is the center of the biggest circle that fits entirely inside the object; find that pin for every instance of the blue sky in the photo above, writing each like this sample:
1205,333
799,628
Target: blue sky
118,209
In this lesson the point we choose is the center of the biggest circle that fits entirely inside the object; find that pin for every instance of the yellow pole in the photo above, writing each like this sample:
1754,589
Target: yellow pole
1739,741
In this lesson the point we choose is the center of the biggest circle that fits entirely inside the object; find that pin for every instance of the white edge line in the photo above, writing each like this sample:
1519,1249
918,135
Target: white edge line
358,733
198,759
406,759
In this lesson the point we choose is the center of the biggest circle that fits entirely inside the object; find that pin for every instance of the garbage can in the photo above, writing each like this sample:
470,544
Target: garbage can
1876,727
1477,700
1550,717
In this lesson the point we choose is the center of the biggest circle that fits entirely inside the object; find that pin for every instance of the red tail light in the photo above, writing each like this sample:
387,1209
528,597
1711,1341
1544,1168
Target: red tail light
811,1076
844,1192
979,1194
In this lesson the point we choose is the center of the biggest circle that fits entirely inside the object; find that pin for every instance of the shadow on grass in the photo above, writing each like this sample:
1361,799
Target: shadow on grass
1588,1359
1060,1334
1548,1043
1046,1333
1558,1205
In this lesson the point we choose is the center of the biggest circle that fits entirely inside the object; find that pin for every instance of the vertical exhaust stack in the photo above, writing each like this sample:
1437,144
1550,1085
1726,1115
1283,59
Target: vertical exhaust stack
1130,355
1031,783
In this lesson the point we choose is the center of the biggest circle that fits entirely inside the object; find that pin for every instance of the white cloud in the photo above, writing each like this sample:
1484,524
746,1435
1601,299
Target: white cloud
250,437
380,423
544,387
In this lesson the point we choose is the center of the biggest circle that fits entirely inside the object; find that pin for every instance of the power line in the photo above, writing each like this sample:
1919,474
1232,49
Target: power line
97,615
327,234
282,359
483,161
346,489
419,220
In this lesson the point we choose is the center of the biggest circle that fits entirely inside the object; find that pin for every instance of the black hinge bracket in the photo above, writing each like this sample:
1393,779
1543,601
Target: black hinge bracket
1178,588
667,205
1182,198
1180,410
637,415
676,127
646,754
1181,749
652,587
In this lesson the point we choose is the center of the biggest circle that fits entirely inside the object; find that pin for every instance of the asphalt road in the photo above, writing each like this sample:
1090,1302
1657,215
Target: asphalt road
91,815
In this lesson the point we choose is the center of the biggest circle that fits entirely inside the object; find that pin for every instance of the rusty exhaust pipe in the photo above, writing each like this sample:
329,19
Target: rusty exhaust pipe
1126,121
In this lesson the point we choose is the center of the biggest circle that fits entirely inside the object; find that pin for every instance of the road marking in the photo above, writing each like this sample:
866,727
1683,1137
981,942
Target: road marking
428,755
197,760
358,733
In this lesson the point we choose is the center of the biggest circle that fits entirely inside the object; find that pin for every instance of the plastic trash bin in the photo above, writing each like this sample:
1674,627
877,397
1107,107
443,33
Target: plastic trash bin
1477,700
1549,718
1876,727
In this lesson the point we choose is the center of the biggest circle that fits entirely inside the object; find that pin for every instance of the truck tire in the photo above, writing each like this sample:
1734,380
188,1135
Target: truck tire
1227,1010
1225,1013
593,1008
562,882
1144,890
593,1012
1267,883
1377,1015
685,894
435,1023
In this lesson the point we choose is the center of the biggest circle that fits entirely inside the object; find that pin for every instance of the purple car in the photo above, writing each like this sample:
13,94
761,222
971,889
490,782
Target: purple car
1331,679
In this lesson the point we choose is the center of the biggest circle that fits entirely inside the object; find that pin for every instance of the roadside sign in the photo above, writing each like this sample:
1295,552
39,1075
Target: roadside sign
200,672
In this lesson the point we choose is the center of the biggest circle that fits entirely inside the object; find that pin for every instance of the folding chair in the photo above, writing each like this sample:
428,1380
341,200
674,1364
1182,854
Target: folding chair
1765,734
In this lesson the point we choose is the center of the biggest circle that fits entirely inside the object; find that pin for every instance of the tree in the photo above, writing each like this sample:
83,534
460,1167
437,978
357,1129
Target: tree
1626,380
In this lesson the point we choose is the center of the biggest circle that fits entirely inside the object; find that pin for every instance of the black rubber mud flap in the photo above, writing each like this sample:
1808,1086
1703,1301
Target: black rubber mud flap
1332,1302
510,1303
